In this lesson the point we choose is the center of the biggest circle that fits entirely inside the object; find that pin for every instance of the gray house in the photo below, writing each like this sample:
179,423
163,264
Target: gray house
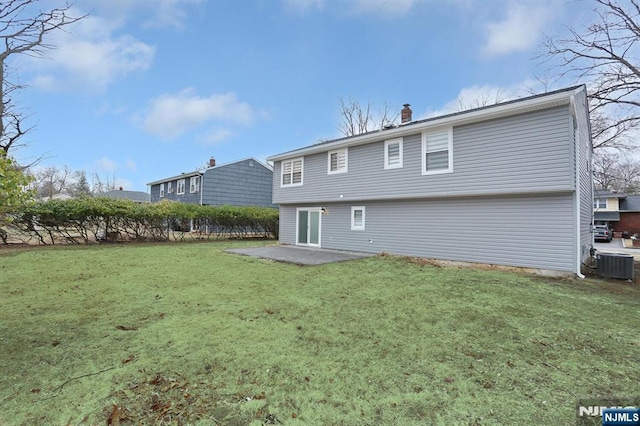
508,184
122,194
245,182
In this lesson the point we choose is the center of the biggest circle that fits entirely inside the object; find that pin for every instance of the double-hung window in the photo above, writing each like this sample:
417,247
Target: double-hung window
393,154
357,218
161,190
194,184
169,188
338,161
180,186
600,203
437,155
292,172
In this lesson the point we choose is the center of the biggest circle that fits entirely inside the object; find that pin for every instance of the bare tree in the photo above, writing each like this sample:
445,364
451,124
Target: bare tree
52,181
104,184
358,119
481,100
605,55
21,32
614,171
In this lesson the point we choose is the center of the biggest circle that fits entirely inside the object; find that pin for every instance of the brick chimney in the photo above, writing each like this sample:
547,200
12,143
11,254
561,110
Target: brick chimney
212,162
405,114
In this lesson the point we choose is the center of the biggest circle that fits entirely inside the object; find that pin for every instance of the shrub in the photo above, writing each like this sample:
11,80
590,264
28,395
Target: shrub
84,220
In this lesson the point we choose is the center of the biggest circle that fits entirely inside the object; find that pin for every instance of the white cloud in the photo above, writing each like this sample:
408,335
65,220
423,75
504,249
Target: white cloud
388,8
303,6
105,164
150,13
90,57
477,96
215,136
171,115
520,29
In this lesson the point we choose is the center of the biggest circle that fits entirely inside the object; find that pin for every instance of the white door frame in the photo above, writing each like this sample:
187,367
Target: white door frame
308,210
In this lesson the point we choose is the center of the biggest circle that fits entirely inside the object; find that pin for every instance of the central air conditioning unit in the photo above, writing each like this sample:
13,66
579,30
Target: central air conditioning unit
615,265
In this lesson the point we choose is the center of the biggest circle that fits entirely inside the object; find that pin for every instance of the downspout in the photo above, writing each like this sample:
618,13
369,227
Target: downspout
576,144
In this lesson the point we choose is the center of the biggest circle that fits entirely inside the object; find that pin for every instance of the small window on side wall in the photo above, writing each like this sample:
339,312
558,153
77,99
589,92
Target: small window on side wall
393,154
357,218
161,190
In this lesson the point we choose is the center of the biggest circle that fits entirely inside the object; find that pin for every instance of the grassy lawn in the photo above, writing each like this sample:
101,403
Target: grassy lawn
188,334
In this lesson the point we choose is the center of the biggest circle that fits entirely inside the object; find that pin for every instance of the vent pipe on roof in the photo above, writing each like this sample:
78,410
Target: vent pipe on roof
405,114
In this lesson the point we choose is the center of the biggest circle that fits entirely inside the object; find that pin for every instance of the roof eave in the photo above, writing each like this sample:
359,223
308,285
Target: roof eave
180,176
535,103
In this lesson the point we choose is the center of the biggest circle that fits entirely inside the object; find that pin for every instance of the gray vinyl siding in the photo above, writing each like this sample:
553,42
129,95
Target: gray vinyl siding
154,193
243,183
526,153
585,151
524,231
187,197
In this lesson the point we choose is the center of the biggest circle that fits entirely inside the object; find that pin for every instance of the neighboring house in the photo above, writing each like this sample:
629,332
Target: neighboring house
620,212
629,215
606,207
507,184
241,183
121,194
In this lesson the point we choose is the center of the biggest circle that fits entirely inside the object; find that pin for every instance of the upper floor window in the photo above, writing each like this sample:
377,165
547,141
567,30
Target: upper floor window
169,187
393,154
194,184
437,155
338,161
161,190
291,172
180,186
599,204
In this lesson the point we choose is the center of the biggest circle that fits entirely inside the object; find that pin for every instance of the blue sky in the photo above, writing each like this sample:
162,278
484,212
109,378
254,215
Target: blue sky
146,89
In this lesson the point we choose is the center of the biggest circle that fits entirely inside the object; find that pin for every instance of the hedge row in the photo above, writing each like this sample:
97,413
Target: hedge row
86,220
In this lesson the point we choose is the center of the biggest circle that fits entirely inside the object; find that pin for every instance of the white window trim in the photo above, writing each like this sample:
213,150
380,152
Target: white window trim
162,190
287,185
449,169
169,188
346,161
353,225
597,203
386,153
180,184
194,184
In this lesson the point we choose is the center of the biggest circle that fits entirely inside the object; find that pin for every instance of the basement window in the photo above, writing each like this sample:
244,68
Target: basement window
357,218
